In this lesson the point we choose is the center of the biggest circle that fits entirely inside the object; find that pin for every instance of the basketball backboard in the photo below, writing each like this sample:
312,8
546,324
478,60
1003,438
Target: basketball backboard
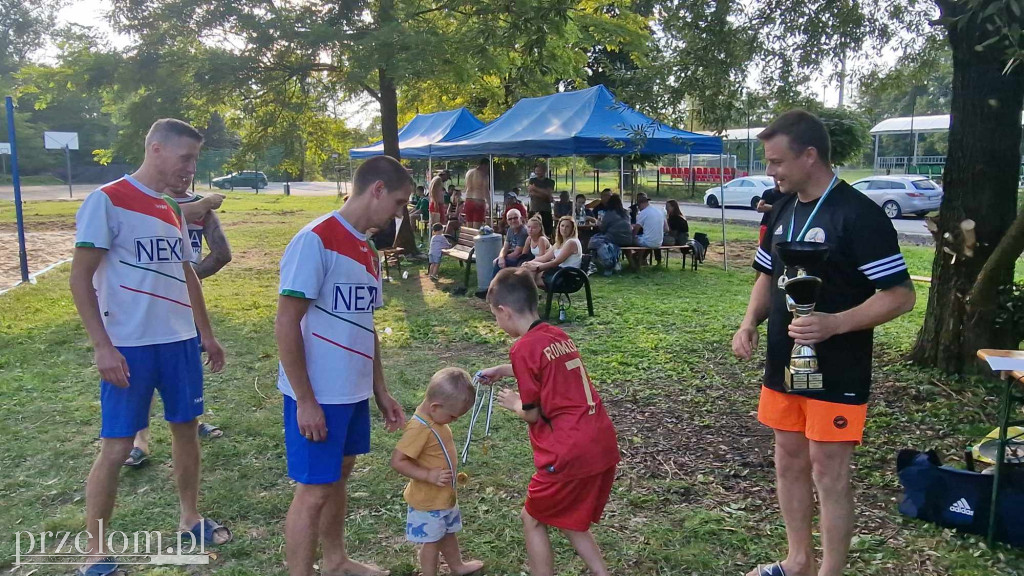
5,147
60,140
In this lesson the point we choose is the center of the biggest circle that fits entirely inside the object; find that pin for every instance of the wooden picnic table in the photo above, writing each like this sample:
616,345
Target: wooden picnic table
1010,366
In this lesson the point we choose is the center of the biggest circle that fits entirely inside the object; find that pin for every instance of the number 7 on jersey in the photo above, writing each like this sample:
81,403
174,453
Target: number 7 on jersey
578,363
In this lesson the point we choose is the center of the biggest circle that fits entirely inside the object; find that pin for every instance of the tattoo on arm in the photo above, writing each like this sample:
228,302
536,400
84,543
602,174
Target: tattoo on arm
219,250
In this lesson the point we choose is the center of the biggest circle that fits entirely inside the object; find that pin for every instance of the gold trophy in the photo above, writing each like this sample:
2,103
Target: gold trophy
802,375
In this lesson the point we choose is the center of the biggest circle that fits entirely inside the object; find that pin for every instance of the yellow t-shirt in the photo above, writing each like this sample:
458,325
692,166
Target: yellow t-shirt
419,443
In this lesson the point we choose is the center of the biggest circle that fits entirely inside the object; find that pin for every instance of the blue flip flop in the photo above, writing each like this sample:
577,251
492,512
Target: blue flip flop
205,530
770,569
104,567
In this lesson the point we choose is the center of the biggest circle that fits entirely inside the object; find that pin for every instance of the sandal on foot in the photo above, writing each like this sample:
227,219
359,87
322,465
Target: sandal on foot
136,458
206,529
105,567
207,430
770,569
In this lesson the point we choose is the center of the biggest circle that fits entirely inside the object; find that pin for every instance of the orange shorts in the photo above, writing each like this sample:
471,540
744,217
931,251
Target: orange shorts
569,504
818,420
476,210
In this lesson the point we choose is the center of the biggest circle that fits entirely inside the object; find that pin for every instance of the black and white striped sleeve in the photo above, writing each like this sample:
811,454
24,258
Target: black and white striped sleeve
877,251
763,261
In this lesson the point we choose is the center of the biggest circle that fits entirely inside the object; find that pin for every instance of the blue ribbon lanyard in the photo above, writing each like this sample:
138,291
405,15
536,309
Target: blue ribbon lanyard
807,225
443,449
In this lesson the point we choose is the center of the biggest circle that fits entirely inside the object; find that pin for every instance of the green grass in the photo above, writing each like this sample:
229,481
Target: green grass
695,491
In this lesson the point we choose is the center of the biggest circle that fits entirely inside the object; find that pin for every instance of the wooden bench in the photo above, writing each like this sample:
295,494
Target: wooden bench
463,249
635,255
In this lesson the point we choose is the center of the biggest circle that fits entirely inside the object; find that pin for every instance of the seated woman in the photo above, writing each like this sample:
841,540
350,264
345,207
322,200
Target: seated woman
536,242
566,252
615,232
677,231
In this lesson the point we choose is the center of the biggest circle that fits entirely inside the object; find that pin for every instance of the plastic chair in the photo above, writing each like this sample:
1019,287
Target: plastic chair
568,281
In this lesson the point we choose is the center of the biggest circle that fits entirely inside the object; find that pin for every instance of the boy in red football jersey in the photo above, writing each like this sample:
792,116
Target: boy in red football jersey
574,447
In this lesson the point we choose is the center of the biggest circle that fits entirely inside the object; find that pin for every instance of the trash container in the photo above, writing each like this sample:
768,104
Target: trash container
287,189
487,246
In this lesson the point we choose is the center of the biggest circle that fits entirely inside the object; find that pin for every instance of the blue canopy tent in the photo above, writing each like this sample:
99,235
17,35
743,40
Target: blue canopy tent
590,122
416,137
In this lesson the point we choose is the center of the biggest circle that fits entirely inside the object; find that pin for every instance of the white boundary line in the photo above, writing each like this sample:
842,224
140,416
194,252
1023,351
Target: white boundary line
32,277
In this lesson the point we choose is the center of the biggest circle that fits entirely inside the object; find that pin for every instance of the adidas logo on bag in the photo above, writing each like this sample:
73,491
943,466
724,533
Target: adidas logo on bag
962,507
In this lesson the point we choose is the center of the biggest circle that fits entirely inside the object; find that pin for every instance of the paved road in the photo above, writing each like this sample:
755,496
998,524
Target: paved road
910,226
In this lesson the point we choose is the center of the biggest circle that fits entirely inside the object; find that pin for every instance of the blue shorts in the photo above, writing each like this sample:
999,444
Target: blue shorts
348,434
423,527
174,369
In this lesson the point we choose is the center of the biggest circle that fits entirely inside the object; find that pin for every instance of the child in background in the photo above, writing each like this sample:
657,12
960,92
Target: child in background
575,451
426,455
437,243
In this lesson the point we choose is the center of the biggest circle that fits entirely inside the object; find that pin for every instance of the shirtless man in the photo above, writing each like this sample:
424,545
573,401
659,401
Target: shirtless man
478,193
436,193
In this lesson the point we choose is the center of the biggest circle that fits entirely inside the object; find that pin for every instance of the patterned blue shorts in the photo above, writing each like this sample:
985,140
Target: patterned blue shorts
430,526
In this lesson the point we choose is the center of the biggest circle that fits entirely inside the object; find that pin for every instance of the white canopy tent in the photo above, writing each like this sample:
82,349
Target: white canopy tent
912,125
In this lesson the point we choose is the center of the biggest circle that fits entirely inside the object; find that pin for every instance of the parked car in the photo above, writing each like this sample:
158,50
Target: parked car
899,195
746,191
244,179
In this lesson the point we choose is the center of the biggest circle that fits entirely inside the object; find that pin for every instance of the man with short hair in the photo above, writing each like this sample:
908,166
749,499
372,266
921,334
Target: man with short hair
650,223
478,194
602,206
542,193
203,223
649,230
331,365
141,303
436,206
865,284
513,250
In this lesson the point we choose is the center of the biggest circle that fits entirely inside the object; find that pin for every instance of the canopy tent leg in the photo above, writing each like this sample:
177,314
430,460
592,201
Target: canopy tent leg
430,168
622,175
574,175
721,184
874,165
490,191
693,180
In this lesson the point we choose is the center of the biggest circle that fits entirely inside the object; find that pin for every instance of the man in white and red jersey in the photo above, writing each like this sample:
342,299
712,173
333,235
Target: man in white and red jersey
141,303
203,223
330,363
575,451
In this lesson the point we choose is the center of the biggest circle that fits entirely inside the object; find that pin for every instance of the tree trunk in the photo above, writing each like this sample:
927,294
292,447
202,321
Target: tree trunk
980,183
404,237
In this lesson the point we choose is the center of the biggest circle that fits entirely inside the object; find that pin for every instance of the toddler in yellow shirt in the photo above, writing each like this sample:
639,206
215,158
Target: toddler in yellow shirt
426,455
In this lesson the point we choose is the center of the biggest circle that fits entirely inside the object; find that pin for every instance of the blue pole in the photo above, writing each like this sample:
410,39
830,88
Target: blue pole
16,178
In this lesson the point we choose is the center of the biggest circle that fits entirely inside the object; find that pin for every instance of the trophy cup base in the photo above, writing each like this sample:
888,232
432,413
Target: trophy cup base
803,382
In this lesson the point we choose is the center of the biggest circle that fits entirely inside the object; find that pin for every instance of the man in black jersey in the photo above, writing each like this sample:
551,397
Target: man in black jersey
865,284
